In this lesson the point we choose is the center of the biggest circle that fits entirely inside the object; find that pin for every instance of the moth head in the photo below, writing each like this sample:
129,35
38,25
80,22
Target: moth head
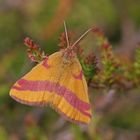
70,52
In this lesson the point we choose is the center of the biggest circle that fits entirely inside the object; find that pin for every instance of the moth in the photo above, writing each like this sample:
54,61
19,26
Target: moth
57,81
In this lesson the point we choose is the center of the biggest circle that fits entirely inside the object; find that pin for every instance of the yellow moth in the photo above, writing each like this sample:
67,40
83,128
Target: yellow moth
58,81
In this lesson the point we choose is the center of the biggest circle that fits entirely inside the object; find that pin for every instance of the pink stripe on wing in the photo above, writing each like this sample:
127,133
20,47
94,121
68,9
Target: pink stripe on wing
57,88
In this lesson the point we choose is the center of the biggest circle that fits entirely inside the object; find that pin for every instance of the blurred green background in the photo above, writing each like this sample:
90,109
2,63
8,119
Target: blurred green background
116,116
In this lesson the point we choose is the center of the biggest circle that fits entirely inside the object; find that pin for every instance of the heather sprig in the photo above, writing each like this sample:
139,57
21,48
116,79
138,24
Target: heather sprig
109,64
34,51
89,65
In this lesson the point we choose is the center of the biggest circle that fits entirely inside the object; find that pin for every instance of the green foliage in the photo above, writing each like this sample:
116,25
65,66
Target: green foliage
77,132
89,70
11,30
3,134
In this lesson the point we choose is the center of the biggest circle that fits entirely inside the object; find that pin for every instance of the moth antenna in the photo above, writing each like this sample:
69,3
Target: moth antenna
66,33
82,36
